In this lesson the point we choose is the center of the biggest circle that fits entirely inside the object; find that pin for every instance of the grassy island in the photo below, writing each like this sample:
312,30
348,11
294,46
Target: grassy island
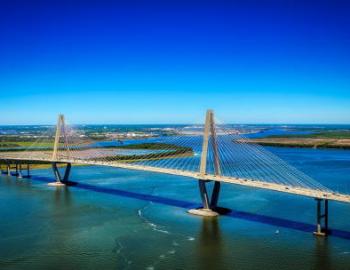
169,151
325,139
154,151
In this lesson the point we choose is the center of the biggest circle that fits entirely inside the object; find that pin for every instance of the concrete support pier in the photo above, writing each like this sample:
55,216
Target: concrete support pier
321,217
60,181
209,136
209,204
8,169
1,170
28,171
19,171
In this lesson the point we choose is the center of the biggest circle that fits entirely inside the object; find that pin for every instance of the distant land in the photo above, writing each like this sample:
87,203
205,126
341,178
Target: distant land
16,138
325,139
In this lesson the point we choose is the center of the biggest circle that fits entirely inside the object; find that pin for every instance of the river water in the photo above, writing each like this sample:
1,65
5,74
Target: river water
120,219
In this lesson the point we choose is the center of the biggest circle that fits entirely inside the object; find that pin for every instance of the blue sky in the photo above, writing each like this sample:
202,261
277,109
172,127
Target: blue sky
168,61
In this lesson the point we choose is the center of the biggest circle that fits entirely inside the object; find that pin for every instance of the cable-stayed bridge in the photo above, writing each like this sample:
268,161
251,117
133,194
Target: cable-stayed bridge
206,153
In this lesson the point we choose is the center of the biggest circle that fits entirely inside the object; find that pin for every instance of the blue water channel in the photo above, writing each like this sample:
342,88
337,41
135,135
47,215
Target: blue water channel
120,219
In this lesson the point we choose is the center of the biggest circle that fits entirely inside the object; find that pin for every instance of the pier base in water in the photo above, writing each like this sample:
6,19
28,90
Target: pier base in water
57,184
60,181
322,218
203,212
19,171
28,171
209,204
8,170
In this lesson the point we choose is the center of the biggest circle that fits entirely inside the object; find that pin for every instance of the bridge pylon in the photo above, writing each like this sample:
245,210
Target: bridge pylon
209,140
61,131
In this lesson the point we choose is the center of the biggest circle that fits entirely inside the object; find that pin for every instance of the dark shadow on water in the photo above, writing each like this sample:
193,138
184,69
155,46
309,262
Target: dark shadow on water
275,221
124,193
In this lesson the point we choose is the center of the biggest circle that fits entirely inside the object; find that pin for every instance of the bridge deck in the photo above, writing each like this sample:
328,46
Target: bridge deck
196,175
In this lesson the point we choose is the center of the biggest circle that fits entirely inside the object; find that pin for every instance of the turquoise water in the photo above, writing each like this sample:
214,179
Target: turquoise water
120,219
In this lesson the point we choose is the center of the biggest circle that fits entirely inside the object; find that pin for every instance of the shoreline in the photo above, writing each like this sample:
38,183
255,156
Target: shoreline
302,143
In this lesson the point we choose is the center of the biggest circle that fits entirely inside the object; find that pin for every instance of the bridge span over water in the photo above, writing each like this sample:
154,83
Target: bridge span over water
208,153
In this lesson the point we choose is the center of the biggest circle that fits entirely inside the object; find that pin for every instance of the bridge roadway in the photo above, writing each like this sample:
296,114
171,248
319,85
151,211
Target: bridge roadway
317,194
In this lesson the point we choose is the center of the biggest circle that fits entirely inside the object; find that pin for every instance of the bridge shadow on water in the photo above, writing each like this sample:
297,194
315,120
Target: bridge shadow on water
253,217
